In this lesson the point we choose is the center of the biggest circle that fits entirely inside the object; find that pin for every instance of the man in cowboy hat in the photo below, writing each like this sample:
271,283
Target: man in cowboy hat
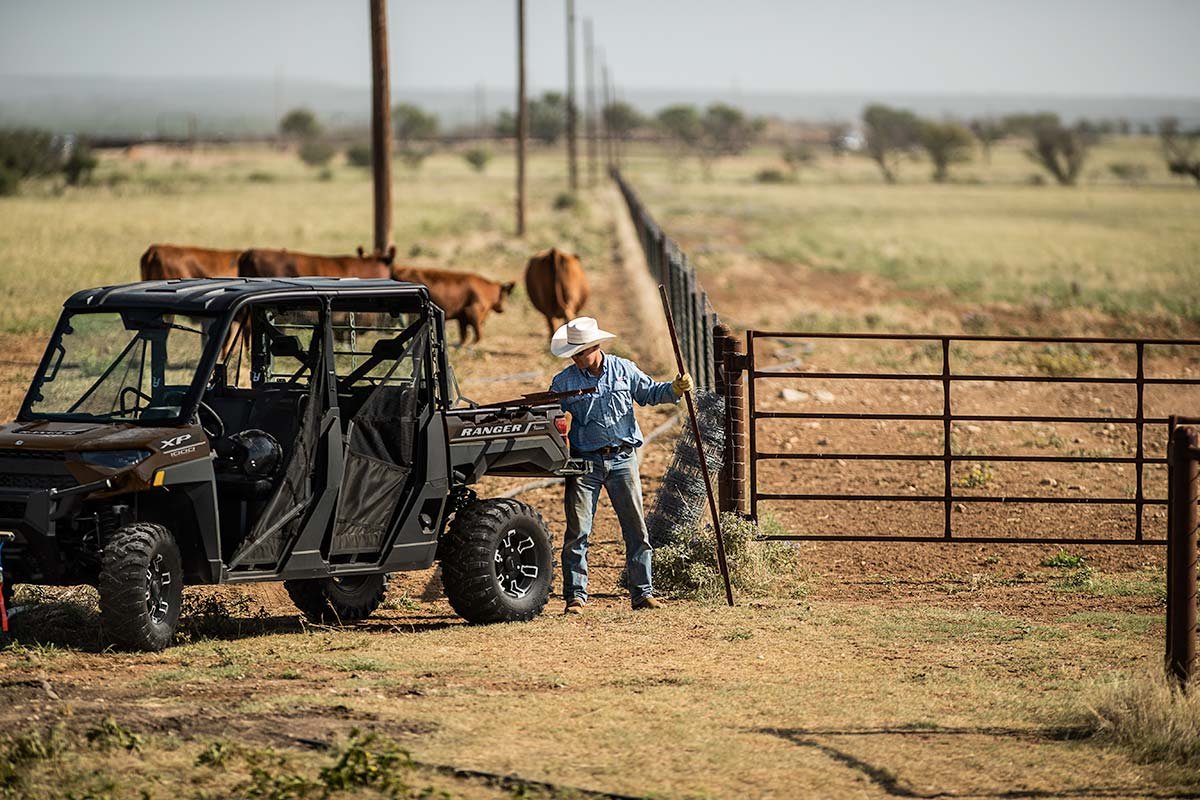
605,432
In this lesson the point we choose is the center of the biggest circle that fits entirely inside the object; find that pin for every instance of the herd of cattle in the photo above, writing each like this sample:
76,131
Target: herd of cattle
554,278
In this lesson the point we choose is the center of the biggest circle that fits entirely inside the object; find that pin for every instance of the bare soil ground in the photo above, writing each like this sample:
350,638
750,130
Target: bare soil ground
878,670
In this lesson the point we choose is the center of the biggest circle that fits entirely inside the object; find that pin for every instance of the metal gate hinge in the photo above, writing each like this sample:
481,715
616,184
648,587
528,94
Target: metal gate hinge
736,363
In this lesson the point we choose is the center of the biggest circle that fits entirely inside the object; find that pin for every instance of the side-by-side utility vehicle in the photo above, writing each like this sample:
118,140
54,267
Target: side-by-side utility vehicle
242,430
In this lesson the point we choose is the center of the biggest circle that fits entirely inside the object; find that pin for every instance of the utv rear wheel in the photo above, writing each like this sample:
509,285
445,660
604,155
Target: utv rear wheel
497,562
141,587
345,599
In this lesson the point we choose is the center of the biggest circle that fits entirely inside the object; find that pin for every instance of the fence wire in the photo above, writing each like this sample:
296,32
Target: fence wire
681,499
669,265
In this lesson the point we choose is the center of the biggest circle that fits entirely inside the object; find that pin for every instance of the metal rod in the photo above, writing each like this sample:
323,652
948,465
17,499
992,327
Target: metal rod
937,376
968,337
962,498
1181,549
947,444
958,459
752,425
1141,424
691,407
833,537
957,417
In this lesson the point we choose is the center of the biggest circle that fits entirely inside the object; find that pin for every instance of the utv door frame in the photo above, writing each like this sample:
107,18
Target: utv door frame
411,542
303,558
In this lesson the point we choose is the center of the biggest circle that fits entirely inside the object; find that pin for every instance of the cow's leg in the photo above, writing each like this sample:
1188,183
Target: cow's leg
462,331
552,324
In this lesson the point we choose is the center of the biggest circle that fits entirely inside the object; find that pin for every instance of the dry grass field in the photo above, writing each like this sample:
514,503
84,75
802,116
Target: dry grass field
960,671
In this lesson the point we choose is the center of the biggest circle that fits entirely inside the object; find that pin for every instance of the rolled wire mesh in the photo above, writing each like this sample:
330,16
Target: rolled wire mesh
681,499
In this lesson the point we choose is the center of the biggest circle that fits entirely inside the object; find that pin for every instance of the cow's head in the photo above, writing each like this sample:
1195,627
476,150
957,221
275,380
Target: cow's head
385,258
503,291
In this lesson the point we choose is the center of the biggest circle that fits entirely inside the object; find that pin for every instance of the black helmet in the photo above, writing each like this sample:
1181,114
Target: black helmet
256,453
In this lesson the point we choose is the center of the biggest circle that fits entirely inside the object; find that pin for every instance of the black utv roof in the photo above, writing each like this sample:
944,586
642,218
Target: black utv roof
215,295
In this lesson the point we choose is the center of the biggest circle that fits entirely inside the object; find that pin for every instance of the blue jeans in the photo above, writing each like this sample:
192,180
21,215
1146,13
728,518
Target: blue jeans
619,475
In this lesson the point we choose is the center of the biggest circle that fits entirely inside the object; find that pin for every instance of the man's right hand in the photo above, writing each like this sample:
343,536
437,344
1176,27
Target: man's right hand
682,384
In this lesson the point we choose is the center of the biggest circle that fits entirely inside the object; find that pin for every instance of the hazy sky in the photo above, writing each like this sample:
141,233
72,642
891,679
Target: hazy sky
915,46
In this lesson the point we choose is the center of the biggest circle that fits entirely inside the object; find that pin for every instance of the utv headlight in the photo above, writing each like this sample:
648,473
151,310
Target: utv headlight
115,459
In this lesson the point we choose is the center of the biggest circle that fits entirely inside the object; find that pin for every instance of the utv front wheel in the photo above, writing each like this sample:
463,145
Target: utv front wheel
344,599
141,587
497,562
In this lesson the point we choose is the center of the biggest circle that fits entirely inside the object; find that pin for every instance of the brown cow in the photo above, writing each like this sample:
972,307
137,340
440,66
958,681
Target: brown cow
165,262
287,264
464,296
556,285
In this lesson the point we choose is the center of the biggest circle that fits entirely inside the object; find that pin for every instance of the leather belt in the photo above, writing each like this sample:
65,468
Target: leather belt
611,450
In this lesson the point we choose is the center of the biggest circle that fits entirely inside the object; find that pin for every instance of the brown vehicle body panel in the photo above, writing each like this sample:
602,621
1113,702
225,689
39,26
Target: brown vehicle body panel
464,296
557,285
166,262
167,446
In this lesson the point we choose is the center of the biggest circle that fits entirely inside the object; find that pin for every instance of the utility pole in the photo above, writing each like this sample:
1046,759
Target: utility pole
522,118
480,112
572,164
590,116
381,127
604,114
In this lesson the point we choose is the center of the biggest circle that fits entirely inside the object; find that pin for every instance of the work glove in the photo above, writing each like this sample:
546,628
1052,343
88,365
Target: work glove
682,384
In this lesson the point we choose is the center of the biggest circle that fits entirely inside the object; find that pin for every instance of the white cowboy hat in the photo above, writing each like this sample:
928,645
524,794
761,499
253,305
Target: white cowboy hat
576,336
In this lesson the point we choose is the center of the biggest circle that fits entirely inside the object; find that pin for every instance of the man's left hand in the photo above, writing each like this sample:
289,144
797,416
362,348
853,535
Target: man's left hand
682,384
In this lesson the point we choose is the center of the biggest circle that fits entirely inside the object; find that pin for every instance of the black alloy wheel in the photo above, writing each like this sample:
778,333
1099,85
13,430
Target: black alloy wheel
517,567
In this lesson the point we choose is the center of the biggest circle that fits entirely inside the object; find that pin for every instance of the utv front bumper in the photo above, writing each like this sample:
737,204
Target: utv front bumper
34,555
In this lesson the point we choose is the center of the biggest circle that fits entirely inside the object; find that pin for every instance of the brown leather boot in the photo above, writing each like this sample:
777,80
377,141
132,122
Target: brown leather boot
646,603
574,606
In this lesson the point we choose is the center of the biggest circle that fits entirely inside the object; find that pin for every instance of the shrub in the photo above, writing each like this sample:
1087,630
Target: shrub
79,167
325,175
1064,560
1128,172
9,181
478,158
1151,718
300,123
565,201
770,175
689,569
413,157
28,153
259,176
411,123
797,155
946,143
316,153
359,155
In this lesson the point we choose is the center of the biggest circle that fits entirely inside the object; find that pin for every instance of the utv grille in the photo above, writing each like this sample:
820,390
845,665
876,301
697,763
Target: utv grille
41,455
34,469
36,481
12,509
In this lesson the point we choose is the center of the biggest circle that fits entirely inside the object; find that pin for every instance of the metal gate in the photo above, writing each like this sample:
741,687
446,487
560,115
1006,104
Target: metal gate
952,370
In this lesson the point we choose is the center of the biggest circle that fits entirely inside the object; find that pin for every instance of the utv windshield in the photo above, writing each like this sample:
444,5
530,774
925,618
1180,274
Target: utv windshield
111,366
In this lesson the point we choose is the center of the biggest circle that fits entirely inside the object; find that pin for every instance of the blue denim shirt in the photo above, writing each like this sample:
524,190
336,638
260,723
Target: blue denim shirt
605,418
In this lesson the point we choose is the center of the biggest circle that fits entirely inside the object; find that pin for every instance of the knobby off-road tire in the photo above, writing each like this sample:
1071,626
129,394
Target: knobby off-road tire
497,562
334,600
141,587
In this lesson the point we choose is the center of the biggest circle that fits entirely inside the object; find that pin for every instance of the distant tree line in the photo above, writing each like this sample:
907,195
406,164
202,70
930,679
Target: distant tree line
27,153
